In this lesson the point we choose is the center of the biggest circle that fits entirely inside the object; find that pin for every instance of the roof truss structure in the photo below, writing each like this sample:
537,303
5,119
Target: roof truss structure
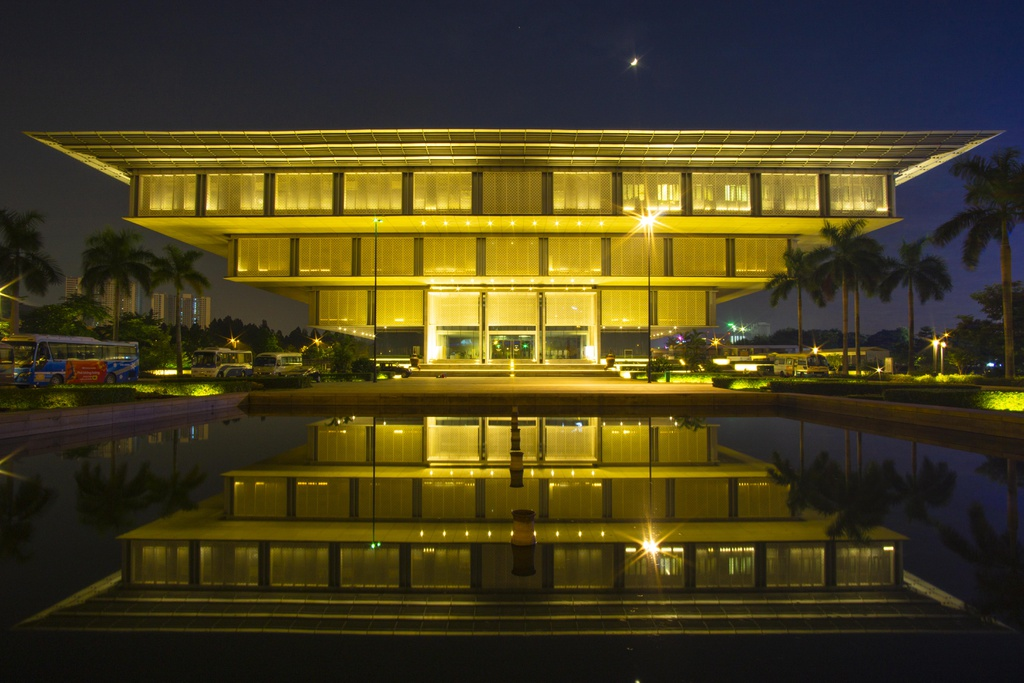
905,154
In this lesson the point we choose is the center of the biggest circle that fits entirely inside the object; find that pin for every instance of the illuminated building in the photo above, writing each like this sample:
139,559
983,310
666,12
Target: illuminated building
439,488
508,245
129,299
158,306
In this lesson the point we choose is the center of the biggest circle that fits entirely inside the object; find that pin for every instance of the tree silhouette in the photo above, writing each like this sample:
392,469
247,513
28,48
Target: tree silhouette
855,502
115,259
849,261
799,276
927,274
178,268
174,492
109,503
931,487
22,259
19,504
996,558
994,194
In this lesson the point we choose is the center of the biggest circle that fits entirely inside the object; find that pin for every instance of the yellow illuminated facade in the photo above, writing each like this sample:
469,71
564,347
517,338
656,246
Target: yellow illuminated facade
498,246
425,503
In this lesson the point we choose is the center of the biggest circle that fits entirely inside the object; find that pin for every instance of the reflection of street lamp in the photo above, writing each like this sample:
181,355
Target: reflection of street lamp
376,222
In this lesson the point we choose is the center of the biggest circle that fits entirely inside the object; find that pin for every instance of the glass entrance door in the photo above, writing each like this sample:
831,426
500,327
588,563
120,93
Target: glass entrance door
512,346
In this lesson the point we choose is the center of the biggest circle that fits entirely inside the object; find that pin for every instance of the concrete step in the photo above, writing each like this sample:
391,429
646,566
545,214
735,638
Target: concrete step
509,614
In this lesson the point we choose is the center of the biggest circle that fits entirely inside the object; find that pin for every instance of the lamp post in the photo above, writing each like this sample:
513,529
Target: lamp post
376,222
647,223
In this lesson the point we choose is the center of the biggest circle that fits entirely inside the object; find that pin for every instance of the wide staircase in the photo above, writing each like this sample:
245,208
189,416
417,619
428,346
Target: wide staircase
454,613
507,368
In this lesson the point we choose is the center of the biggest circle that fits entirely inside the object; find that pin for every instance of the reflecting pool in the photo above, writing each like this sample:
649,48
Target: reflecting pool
588,528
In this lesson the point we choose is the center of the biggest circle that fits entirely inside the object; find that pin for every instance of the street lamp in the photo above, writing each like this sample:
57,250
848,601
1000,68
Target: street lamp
376,222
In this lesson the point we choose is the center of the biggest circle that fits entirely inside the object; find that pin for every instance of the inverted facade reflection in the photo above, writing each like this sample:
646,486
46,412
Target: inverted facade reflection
409,504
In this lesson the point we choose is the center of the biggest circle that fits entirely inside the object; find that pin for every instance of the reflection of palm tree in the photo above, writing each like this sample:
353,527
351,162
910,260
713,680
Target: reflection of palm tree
932,487
801,483
18,505
998,568
110,503
1005,470
174,492
856,502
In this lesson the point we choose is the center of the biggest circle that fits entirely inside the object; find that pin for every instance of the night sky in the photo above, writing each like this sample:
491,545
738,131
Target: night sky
111,65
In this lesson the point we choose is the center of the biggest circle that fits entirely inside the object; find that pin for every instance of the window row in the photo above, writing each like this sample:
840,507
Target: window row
510,193
578,497
455,256
459,316
488,440
583,566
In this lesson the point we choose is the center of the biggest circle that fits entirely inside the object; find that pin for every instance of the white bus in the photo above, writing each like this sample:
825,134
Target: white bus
221,362
800,365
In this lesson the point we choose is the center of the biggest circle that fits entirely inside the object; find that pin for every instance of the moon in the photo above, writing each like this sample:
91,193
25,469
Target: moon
634,62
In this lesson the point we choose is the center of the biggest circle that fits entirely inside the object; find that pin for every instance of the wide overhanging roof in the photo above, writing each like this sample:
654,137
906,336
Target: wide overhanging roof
906,154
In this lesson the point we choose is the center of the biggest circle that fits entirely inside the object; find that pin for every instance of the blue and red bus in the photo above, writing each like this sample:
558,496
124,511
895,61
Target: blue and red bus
34,360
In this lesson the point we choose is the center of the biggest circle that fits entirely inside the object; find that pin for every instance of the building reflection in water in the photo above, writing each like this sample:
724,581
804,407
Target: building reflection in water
393,504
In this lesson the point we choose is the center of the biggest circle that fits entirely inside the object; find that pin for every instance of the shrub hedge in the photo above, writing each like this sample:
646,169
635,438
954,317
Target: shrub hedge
66,396
823,387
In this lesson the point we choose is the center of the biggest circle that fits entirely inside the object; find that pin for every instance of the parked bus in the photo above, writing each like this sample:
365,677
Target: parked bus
283,363
221,362
33,360
800,365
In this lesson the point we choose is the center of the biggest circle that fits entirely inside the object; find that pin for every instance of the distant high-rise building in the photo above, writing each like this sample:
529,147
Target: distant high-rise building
195,310
158,306
72,287
129,299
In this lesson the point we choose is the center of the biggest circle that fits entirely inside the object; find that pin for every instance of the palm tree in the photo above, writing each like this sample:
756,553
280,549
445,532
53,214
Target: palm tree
994,194
928,274
799,275
849,260
178,268
22,259
114,259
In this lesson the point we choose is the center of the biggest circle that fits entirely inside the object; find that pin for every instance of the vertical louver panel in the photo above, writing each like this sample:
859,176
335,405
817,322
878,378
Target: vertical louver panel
167,195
